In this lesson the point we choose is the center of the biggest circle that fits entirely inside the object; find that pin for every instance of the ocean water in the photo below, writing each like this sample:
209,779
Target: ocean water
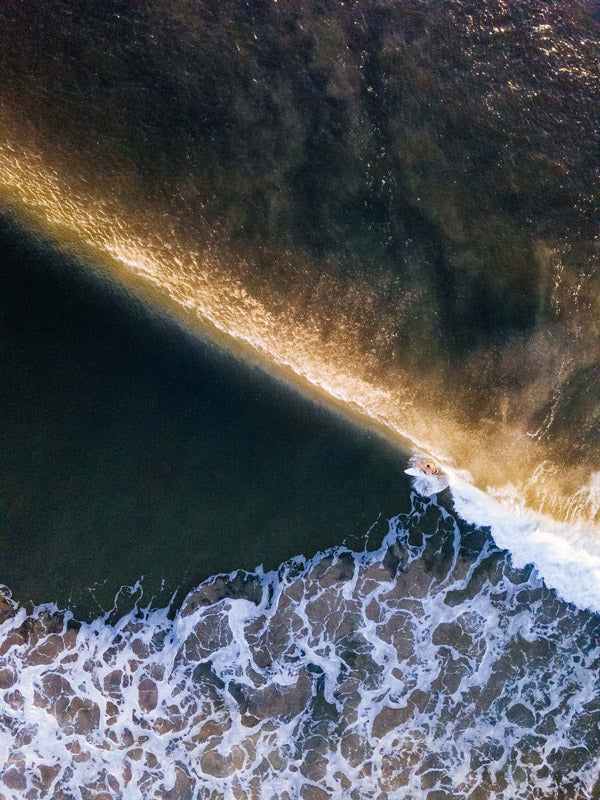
257,257
129,447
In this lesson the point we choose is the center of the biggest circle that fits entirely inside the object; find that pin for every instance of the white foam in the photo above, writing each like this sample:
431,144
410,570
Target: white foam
566,557
344,671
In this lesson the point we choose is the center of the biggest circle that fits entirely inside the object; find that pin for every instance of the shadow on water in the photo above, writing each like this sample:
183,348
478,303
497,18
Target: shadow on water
129,448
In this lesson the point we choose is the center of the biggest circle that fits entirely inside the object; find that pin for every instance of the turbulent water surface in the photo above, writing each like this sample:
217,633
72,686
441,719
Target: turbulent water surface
429,668
393,207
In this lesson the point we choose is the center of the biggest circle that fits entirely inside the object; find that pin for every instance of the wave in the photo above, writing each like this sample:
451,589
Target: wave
545,513
431,666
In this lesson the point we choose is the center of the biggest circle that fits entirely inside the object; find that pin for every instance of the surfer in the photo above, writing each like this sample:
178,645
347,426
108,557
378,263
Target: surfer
429,478
428,468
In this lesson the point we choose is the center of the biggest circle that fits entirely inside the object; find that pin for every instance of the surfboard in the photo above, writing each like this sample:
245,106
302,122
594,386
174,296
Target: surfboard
428,484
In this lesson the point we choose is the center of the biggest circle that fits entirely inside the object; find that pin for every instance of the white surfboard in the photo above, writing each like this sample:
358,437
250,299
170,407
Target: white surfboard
428,484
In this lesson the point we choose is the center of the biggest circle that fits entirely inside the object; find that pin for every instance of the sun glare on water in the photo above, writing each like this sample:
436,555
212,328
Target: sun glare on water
206,295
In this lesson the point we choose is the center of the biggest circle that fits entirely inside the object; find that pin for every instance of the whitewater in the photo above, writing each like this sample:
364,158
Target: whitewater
565,556
431,667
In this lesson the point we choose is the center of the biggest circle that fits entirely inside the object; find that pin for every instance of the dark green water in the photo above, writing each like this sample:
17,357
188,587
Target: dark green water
129,448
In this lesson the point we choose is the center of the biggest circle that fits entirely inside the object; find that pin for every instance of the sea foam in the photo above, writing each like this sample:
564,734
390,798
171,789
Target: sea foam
430,666
567,557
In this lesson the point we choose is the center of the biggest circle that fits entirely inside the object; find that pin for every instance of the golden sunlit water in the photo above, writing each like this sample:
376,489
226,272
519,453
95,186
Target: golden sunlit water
204,291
